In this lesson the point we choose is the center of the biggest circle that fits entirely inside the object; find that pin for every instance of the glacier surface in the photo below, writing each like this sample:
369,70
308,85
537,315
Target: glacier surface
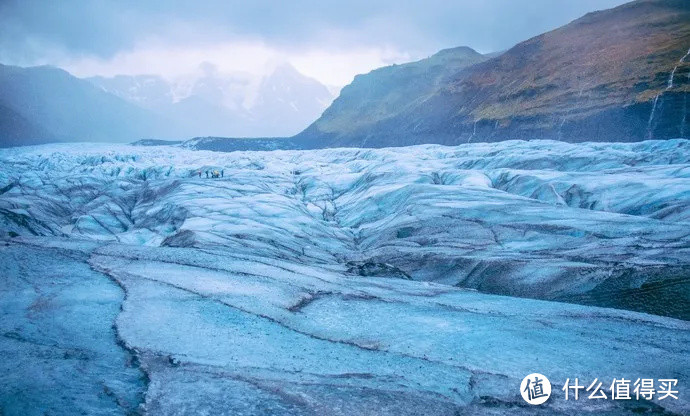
417,280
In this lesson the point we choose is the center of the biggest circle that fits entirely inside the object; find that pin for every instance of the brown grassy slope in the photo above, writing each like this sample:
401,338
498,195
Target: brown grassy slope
605,59
594,79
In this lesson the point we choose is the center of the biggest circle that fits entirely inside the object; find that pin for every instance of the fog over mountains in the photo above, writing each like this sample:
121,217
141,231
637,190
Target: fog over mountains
42,104
280,104
615,75
621,74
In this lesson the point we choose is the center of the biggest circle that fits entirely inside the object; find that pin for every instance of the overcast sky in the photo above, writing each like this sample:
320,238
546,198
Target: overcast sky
328,40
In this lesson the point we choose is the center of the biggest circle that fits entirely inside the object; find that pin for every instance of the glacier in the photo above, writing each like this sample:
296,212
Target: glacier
414,280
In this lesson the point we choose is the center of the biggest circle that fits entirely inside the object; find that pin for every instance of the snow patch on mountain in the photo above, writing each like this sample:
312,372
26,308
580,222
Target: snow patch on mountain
212,103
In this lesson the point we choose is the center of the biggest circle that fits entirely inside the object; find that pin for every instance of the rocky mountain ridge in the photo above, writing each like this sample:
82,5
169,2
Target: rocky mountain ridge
614,75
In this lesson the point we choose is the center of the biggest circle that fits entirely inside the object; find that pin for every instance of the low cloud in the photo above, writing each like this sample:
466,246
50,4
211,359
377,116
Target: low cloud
255,58
328,40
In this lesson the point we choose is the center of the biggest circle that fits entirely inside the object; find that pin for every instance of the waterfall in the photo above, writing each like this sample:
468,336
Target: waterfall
474,131
685,111
651,117
669,85
560,128
559,133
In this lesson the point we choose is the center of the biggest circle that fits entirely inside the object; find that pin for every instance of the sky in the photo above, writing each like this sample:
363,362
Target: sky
330,41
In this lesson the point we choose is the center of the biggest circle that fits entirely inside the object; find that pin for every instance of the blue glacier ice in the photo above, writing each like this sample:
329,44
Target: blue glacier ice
416,280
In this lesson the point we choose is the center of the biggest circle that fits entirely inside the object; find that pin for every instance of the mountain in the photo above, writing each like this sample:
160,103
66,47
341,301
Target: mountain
288,101
621,74
381,94
384,94
147,91
44,103
282,103
203,108
612,75
17,130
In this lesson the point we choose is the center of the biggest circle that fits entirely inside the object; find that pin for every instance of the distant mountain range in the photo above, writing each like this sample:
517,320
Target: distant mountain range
285,102
43,104
615,75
